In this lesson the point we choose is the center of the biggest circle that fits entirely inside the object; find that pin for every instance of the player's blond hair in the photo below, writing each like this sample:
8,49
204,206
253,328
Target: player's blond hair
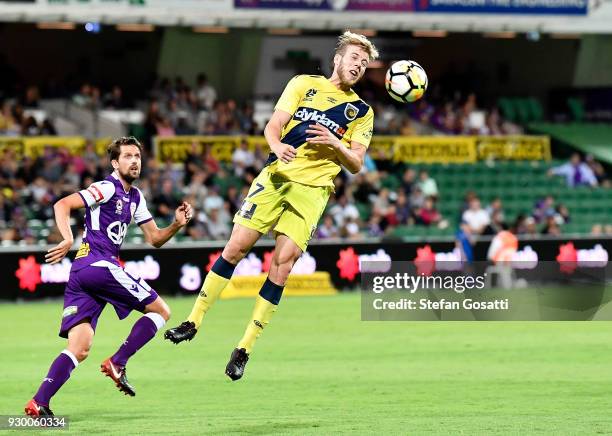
350,38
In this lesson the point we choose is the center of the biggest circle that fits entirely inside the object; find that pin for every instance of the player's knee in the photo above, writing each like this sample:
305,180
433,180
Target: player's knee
234,253
81,354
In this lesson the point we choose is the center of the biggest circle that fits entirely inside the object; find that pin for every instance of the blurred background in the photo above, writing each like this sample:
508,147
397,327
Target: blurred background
514,133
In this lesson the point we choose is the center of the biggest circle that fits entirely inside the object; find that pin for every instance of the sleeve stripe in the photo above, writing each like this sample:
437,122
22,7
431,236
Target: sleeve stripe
95,188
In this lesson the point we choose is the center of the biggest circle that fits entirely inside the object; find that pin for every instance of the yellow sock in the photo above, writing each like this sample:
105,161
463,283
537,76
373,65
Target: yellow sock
266,304
215,282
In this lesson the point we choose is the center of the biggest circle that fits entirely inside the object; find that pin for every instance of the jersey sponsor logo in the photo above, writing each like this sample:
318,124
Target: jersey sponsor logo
70,310
305,114
116,231
350,112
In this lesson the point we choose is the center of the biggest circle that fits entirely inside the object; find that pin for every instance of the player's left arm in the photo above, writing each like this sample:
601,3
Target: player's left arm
153,234
351,158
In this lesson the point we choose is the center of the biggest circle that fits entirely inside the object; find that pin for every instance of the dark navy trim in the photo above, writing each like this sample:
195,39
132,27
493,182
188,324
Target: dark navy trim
144,221
271,291
223,268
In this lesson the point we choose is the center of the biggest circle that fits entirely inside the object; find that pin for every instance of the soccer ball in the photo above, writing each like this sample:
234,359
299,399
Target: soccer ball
406,81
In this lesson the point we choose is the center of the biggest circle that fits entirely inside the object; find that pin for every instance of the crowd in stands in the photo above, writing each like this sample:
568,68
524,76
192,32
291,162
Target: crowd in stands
16,121
29,187
173,107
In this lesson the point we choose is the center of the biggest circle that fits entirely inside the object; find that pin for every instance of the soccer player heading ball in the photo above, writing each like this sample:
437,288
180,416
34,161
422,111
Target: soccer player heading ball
319,124
96,277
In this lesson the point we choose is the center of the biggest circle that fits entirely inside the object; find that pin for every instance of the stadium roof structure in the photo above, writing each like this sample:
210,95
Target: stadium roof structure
224,14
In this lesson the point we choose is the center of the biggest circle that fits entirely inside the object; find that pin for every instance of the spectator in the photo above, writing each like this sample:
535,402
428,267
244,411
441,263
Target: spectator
427,214
464,242
115,99
166,201
205,93
428,185
30,127
496,207
350,229
476,217
47,129
327,229
217,223
402,209
562,215
375,228
497,223
416,198
242,158
576,172
544,208
213,200
598,170
551,227
408,180
343,212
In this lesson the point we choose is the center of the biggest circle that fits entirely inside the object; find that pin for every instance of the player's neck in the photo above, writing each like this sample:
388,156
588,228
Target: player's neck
126,185
335,80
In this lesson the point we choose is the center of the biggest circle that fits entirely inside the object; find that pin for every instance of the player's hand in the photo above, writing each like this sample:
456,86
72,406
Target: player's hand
57,253
284,152
322,135
183,214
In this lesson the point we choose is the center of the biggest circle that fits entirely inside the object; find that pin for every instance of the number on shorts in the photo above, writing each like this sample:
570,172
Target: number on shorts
260,188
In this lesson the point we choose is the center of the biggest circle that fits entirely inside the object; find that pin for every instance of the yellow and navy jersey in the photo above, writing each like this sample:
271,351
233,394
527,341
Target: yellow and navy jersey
310,100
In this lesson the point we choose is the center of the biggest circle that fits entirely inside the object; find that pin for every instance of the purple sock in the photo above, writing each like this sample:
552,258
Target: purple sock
143,331
58,374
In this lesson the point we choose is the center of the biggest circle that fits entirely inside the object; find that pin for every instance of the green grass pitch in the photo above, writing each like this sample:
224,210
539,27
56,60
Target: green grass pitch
318,369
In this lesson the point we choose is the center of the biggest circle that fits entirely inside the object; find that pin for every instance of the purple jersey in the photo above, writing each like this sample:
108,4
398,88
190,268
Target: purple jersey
109,211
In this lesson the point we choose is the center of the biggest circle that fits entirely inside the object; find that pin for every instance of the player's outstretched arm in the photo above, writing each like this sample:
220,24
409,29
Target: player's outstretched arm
158,237
62,211
351,158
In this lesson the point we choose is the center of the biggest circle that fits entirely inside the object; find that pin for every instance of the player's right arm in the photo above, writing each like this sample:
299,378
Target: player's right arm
99,192
62,211
273,131
286,106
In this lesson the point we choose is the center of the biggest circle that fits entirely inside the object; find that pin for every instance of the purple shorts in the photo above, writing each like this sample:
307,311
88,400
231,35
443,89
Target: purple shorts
90,288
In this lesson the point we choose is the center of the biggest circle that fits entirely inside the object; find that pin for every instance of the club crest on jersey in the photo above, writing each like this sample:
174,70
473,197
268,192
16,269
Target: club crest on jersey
119,207
350,112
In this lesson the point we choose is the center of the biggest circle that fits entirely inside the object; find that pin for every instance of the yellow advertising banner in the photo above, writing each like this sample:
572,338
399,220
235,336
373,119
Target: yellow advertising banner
408,149
317,283
513,147
34,146
435,149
